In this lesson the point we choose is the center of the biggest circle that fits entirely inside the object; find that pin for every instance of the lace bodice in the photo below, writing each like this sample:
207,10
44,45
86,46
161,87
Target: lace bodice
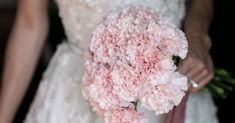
80,17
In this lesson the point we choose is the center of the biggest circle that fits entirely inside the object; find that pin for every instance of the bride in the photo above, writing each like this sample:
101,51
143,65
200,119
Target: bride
59,98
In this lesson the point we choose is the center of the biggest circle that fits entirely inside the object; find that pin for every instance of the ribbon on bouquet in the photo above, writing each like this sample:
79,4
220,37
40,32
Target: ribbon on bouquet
177,114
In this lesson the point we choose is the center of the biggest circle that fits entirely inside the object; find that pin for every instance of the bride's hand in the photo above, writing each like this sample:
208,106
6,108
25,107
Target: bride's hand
197,65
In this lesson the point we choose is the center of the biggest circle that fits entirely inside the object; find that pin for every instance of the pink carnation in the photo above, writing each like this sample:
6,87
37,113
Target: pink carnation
130,61
99,87
122,115
162,98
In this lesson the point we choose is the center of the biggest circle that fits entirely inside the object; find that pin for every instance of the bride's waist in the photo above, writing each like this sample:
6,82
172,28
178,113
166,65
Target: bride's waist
81,43
72,47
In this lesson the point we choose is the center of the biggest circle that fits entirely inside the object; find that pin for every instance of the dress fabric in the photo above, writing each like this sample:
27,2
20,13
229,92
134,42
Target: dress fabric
59,97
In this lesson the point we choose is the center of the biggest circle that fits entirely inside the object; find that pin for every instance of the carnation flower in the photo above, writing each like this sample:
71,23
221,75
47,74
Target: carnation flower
162,98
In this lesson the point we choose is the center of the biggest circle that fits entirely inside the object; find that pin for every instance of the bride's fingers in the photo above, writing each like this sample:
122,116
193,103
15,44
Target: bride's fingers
201,83
205,76
194,75
195,72
184,66
197,79
199,75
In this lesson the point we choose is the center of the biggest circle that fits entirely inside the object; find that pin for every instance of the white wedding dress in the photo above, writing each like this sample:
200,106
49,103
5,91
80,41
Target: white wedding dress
59,98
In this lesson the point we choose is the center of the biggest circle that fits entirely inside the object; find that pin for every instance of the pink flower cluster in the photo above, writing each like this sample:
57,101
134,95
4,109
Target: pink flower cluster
124,115
130,61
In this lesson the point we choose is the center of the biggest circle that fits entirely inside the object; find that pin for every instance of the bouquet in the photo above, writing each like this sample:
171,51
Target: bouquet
131,63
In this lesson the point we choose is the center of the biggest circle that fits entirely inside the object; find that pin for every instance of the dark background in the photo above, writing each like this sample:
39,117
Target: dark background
222,50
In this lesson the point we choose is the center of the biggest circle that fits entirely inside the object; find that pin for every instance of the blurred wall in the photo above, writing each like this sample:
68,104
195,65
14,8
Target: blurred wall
222,35
7,3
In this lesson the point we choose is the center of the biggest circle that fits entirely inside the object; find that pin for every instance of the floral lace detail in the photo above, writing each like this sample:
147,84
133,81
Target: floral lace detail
80,17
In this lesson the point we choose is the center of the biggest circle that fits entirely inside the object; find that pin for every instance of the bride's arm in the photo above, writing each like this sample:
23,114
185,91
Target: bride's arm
22,52
198,65
198,18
